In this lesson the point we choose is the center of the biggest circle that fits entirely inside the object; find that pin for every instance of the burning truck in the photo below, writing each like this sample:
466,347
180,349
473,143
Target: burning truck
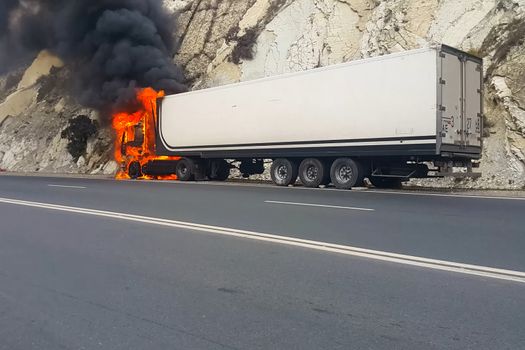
384,118
135,141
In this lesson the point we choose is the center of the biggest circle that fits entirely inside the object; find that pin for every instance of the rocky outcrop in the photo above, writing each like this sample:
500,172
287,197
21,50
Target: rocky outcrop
33,116
226,41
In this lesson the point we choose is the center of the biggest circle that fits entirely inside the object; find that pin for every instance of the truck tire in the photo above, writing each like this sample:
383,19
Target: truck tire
382,182
346,173
134,170
313,173
284,172
219,170
184,170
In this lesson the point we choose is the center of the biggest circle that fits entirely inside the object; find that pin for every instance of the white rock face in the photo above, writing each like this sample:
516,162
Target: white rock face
305,35
177,5
40,67
226,41
25,94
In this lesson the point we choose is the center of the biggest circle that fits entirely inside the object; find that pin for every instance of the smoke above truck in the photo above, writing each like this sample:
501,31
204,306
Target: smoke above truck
113,47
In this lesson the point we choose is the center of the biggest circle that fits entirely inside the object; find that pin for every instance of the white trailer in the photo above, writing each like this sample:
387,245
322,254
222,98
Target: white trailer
381,118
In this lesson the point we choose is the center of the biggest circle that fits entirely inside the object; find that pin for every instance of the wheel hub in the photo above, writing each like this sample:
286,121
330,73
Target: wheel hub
282,172
312,172
345,173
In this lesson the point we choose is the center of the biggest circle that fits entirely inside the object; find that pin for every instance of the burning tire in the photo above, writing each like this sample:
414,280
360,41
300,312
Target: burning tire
284,172
313,173
185,170
134,170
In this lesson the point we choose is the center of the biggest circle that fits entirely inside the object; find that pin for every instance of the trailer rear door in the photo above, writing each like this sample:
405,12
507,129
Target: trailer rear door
451,106
461,100
473,102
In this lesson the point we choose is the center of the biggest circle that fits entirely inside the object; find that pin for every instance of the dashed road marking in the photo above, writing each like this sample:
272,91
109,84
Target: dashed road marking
319,205
64,186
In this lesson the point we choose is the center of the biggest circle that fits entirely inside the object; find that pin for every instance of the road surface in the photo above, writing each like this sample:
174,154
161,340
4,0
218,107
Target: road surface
100,264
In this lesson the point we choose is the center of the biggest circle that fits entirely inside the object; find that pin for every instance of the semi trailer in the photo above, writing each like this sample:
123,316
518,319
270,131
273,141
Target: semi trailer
391,118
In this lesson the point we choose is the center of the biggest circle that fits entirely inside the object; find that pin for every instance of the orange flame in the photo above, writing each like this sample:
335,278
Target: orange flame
135,135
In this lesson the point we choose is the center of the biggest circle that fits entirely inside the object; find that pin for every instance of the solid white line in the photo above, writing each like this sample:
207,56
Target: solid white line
64,186
502,274
319,205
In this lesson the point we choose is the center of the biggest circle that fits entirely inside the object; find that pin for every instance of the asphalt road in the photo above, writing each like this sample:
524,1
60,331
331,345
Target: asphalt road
75,278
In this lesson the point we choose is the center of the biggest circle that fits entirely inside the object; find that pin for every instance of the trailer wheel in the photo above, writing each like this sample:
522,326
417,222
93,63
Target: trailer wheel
219,170
134,170
284,172
184,169
346,173
313,172
388,183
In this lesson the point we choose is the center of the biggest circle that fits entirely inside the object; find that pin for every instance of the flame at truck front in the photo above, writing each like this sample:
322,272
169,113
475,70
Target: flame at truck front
135,137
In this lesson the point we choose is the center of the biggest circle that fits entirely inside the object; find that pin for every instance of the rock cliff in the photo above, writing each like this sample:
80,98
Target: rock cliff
226,41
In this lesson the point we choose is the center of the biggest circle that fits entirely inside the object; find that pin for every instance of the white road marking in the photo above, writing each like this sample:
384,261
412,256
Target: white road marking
484,271
64,186
319,205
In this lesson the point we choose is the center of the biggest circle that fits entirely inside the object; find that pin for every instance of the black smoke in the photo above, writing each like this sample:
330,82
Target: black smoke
5,8
112,47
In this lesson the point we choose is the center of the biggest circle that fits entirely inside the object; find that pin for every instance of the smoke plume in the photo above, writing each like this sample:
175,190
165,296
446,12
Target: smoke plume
112,46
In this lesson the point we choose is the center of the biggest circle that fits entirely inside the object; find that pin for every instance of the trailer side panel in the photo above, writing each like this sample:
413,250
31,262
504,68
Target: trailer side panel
363,106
